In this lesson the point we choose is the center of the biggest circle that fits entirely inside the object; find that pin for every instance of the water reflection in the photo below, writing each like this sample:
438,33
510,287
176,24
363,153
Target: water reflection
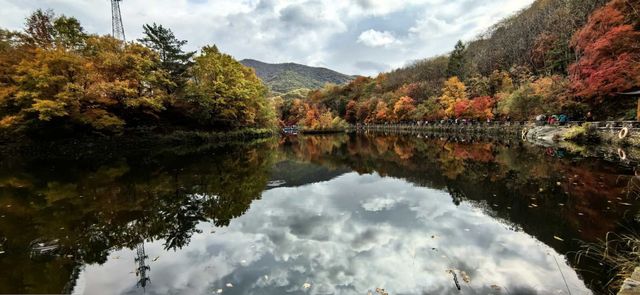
324,215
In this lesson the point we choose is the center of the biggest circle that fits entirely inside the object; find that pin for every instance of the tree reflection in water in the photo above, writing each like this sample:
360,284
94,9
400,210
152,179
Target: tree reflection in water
82,209
92,206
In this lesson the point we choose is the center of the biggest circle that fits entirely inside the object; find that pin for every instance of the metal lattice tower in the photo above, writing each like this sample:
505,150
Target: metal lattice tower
116,20
141,270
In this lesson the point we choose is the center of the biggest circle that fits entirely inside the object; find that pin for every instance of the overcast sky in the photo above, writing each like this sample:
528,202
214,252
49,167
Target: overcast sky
350,36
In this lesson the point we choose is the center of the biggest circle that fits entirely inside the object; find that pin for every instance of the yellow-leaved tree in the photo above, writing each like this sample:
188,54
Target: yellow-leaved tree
454,90
225,94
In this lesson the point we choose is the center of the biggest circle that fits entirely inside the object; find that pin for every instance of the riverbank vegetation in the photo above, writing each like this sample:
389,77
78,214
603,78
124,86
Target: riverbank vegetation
58,80
556,56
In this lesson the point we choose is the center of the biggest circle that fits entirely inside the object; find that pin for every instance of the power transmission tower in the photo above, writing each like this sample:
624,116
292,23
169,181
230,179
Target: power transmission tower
141,270
116,20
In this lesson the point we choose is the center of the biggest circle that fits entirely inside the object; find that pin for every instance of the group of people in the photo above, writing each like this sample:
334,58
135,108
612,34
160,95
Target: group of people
551,120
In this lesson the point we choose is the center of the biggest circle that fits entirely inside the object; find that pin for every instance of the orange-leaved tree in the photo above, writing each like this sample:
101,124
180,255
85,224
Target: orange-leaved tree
481,107
404,108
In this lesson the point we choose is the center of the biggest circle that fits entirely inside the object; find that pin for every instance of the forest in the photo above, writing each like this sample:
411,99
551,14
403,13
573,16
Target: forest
57,79
554,57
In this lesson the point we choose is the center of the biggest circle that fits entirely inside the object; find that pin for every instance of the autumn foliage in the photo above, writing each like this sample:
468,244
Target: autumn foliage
55,77
554,57
609,49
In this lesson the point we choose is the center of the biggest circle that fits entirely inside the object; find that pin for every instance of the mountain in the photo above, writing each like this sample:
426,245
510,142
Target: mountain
282,78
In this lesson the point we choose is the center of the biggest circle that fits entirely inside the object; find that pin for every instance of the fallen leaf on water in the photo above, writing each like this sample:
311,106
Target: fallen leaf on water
306,285
381,291
558,238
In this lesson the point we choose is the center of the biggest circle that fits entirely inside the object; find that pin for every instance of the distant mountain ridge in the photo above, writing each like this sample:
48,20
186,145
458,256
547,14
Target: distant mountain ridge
284,77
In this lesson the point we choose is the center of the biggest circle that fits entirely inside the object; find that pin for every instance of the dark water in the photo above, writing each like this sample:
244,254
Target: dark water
318,215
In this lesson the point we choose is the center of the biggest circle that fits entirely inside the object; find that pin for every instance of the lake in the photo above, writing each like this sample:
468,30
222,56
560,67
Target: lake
339,214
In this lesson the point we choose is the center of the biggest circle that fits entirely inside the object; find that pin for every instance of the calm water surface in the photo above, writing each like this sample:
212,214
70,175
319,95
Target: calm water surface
311,215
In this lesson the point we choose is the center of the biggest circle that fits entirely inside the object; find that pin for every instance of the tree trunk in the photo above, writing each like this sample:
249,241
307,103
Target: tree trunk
638,110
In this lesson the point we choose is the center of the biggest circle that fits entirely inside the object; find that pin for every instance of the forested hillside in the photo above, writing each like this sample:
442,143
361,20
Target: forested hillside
556,56
283,78
57,79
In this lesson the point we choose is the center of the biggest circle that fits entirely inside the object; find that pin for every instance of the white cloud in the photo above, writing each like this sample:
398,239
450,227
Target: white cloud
378,204
319,234
375,38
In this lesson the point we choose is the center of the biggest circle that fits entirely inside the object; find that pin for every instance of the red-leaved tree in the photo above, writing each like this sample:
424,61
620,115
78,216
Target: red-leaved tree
609,50
481,107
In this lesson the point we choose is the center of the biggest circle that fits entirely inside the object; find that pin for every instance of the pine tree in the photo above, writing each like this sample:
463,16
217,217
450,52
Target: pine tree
457,62
173,59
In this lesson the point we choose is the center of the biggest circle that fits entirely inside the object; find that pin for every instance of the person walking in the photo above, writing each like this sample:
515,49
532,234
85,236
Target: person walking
589,117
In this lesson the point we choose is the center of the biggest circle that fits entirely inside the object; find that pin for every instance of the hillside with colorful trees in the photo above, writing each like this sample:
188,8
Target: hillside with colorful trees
555,57
56,79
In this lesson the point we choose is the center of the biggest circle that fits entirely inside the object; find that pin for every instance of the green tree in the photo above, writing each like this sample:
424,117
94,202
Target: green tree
457,62
523,103
172,57
223,93
44,30
68,33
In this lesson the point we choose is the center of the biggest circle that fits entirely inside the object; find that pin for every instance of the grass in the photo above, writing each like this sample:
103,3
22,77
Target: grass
619,252
584,133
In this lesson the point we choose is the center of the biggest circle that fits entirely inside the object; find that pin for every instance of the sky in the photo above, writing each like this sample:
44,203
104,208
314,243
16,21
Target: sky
362,37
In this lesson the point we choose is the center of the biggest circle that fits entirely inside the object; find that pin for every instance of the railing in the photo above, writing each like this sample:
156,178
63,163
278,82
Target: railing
602,125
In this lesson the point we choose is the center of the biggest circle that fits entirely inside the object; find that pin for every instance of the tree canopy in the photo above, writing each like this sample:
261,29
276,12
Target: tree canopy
56,77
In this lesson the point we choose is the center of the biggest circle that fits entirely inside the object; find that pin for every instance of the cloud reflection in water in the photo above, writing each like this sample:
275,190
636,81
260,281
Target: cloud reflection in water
347,236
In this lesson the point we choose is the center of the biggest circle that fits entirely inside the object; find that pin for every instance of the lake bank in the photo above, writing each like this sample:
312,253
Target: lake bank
613,140
135,142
